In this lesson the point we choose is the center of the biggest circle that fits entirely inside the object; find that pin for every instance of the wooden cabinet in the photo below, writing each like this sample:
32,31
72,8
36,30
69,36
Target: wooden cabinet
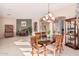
9,31
71,37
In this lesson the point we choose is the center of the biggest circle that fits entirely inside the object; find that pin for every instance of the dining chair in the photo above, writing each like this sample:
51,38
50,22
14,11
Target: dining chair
36,48
57,46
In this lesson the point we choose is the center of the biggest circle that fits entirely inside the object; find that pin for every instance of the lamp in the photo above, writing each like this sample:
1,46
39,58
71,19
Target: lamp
49,17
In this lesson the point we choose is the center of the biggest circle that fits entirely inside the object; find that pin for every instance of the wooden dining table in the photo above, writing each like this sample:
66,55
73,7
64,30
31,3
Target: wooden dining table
47,42
44,42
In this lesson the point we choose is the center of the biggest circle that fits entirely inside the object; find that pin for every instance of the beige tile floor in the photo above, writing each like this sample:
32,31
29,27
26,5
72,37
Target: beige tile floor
19,46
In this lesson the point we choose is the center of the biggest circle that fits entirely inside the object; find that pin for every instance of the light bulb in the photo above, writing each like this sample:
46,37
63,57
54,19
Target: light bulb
44,19
53,18
50,15
46,16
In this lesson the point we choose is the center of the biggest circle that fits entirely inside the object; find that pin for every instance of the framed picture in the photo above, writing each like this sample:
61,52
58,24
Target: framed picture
23,23
35,26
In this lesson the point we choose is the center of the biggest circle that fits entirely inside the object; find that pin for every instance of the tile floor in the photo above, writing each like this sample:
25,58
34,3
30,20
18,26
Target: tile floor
19,46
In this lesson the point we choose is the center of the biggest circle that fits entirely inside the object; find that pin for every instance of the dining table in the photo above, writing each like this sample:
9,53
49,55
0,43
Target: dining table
44,42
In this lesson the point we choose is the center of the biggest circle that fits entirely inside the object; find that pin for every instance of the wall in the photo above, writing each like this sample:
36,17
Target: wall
7,20
68,11
1,28
11,12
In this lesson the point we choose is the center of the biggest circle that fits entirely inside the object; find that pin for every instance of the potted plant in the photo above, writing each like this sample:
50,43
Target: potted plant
48,34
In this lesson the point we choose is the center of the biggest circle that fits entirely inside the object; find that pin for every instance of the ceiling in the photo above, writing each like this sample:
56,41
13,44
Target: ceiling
30,10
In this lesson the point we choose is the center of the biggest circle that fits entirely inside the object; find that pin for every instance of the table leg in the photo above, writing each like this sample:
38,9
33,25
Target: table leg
45,50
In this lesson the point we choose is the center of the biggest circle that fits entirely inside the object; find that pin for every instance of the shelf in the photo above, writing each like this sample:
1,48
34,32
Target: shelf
71,39
70,28
70,34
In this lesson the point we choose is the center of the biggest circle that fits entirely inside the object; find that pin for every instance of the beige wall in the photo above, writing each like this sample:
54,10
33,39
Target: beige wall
11,21
1,28
7,20
68,11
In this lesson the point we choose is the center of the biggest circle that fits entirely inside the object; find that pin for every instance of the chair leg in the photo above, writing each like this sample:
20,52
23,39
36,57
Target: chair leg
45,50
32,51
62,48
38,52
58,52
54,52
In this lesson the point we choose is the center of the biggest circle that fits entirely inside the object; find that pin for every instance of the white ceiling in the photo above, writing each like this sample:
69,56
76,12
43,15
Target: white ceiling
29,10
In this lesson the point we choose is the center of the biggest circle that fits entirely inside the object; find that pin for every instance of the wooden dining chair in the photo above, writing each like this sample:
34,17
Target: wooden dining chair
35,46
58,43
57,46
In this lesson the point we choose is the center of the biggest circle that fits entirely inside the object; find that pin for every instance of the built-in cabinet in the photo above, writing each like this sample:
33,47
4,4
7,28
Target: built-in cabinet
71,33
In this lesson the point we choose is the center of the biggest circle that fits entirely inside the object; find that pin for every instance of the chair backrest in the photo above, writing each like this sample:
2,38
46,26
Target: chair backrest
41,34
58,40
34,41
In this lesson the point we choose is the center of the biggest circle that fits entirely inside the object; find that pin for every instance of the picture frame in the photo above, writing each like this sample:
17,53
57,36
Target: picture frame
23,23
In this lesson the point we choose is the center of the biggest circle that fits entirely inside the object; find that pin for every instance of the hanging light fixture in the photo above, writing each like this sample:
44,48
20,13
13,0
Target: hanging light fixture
49,17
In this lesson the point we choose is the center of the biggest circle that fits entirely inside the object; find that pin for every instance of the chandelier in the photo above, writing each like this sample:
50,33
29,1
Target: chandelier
49,17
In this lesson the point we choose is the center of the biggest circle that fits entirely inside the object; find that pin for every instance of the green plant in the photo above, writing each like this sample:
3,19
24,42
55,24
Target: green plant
30,30
48,32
